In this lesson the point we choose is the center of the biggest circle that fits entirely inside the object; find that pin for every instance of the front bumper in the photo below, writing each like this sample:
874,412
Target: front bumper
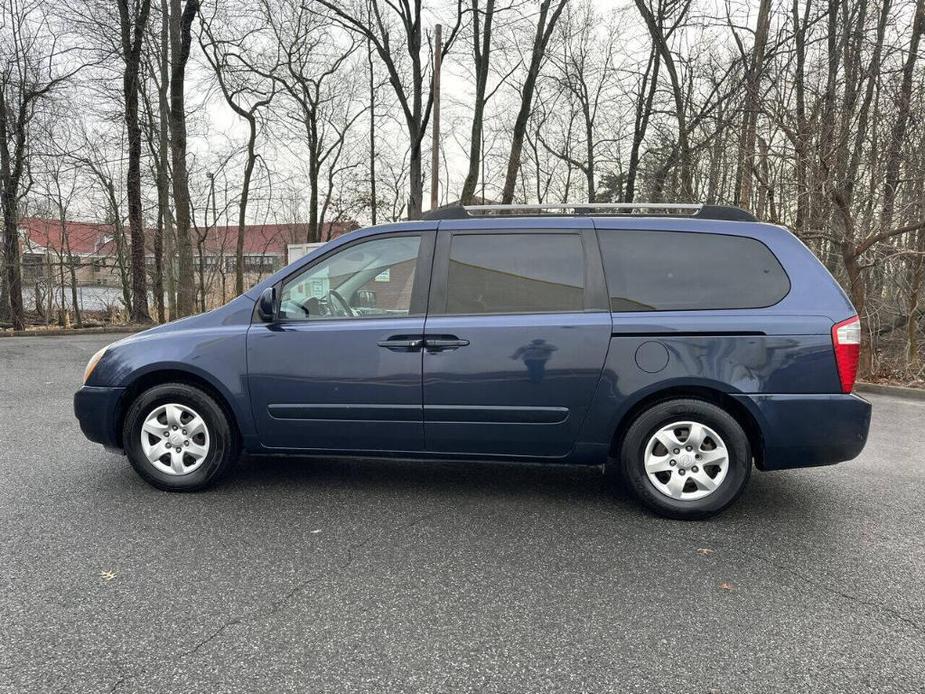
809,430
97,410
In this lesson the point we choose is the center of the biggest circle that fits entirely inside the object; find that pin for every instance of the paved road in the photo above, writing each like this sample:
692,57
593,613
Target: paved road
400,577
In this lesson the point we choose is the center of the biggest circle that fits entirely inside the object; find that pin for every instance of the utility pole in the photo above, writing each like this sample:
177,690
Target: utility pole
435,148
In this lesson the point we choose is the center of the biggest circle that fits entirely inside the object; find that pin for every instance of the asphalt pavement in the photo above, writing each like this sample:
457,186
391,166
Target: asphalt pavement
371,576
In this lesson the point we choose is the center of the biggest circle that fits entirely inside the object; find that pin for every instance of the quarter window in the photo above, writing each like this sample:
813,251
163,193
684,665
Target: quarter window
372,279
680,271
515,273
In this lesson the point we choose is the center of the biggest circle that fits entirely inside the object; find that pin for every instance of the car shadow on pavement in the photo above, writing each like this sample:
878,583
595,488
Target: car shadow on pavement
779,497
773,496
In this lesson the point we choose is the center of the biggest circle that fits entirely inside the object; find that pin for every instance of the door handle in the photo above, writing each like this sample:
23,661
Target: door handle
402,343
434,344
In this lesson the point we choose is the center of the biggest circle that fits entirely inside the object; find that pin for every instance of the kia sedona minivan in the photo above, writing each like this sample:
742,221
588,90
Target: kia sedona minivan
678,345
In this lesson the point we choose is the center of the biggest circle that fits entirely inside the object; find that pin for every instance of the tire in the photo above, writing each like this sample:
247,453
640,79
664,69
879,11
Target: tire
206,450
677,482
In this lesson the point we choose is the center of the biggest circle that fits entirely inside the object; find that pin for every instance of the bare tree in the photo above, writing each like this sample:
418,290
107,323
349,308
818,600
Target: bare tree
368,20
657,32
897,139
61,186
157,63
133,20
34,64
246,93
180,23
481,53
92,157
545,25
645,97
748,135
584,72
313,68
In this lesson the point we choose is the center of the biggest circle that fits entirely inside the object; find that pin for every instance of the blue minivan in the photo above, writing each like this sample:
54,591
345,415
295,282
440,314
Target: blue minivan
676,344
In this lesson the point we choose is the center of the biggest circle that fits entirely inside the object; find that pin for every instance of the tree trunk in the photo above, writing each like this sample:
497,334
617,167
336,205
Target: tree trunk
373,203
540,40
242,208
481,50
917,276
801,146
180,39
897,140
683,153
314,171
66,247
746,159
641,124
133,28
165,230
9,201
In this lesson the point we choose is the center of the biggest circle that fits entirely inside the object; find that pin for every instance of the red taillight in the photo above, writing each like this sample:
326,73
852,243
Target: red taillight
846,338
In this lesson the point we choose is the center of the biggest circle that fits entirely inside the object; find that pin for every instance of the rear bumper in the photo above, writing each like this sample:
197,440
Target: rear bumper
97,410
809,430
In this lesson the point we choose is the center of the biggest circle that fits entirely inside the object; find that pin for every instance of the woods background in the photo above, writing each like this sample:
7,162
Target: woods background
160,120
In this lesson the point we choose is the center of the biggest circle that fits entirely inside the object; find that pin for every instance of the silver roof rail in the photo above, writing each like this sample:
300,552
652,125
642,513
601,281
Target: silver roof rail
630,209
694,207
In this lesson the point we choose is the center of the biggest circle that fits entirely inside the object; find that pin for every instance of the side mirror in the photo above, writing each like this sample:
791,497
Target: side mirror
266,304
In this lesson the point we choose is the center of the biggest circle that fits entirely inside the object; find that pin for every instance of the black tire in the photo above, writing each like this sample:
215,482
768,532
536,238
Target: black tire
645,426
224,448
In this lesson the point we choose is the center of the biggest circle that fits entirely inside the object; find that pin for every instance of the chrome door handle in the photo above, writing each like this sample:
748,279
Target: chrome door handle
440,343
402,344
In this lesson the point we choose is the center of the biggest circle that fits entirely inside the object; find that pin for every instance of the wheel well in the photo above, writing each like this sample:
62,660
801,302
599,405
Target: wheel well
157,378
716,397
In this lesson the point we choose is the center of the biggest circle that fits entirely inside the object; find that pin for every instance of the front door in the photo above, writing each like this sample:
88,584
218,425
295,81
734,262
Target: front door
515,339
340,368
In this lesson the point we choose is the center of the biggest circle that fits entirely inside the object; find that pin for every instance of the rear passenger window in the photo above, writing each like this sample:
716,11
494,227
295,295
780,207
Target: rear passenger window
515,273
679,271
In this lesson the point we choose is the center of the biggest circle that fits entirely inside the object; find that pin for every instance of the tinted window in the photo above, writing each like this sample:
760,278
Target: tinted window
366,280
515,273
677,271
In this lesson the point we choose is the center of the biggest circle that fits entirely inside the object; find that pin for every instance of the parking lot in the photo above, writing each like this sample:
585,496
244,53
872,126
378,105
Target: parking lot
370,576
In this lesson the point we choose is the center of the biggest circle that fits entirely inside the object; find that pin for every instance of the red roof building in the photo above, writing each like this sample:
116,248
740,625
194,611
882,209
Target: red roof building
93,251
92,239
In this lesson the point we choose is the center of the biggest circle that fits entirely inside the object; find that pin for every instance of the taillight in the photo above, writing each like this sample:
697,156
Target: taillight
846,338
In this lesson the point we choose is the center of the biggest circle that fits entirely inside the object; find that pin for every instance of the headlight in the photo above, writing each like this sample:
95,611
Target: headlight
94,360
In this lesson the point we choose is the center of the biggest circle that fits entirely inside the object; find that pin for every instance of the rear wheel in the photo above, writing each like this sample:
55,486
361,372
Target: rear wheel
178,438
686,459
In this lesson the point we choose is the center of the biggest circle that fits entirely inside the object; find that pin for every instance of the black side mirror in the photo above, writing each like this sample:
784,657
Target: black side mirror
266,304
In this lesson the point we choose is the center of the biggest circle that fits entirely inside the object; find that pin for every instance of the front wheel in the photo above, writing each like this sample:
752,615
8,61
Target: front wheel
686,459
178,438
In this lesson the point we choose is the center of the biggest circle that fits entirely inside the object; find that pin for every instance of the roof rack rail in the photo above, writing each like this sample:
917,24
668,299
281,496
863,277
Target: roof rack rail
694,210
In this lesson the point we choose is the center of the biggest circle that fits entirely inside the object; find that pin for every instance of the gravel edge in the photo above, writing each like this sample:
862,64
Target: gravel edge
895,391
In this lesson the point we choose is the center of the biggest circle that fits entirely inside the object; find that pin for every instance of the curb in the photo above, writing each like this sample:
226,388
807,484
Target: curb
60,332
895,391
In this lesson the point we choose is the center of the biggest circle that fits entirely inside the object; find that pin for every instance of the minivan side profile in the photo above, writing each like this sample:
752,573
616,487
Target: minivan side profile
677,345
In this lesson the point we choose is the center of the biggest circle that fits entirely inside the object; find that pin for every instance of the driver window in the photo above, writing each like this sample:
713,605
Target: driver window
372,279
